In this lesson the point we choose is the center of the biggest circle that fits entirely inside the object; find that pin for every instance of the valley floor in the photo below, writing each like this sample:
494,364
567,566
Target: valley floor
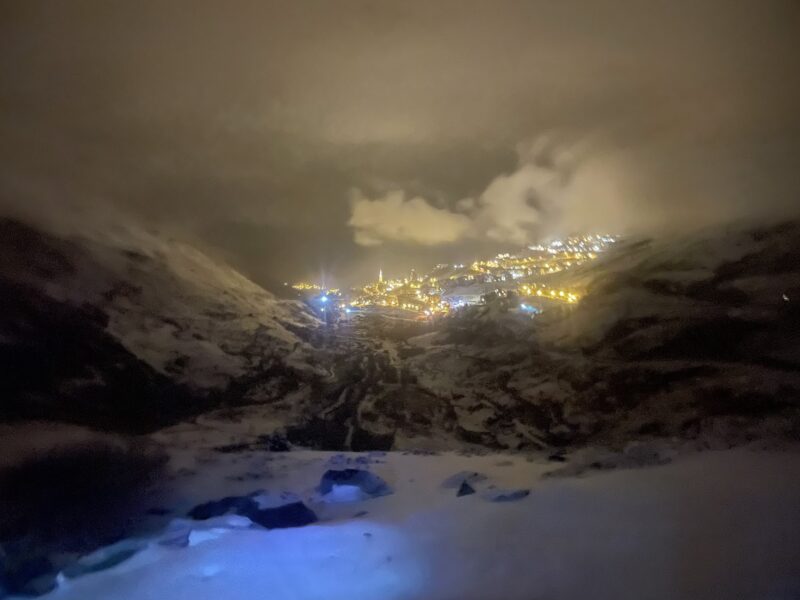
711,525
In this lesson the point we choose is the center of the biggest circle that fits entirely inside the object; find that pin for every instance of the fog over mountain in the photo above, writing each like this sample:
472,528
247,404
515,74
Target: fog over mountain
317,137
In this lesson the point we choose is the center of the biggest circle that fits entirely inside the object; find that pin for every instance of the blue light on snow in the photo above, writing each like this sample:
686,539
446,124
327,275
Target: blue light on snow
334,561
324,299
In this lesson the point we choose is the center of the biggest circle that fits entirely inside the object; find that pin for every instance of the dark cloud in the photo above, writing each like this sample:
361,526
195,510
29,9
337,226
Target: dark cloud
247,125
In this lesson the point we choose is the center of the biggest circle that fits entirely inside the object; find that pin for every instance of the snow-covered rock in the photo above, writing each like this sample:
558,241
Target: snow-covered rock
223,506
351,485
463,477
498,495
282,516
104,558
465,489
269,510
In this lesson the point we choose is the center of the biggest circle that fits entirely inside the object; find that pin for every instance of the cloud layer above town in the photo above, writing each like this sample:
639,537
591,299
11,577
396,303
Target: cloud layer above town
296,137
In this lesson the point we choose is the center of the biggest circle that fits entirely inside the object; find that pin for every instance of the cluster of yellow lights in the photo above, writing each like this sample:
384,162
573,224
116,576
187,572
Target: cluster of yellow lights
406,294
552,293
424,294
424,304
531,265
303,286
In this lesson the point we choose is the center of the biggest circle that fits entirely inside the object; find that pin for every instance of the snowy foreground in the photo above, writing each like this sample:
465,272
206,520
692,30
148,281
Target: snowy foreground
716,525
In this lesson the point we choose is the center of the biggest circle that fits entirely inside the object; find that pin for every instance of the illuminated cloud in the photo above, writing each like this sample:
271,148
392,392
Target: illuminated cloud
395,218
514,204
507,211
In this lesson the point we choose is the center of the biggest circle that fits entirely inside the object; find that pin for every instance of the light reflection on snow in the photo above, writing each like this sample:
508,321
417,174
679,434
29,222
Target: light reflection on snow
349,560
345,493
700,527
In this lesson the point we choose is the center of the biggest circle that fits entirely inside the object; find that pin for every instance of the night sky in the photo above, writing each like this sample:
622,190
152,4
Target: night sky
337,137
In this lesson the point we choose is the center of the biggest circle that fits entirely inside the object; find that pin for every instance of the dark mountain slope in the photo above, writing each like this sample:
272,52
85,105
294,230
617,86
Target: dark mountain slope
126,330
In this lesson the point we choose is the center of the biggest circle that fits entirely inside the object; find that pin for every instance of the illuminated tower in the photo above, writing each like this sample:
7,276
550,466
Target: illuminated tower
380,275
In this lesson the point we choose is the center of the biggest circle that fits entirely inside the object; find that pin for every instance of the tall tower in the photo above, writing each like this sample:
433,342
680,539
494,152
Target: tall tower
380,275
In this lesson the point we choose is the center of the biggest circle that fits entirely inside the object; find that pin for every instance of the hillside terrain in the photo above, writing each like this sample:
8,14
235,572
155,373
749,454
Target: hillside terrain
695,338
682,354
126,330
679,338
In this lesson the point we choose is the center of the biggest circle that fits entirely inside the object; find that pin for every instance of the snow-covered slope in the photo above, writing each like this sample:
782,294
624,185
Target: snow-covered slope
718,525
730,280
93,321
678,351
691,338
694,338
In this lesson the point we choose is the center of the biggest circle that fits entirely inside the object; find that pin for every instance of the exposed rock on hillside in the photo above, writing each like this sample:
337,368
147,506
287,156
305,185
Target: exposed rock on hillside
124,329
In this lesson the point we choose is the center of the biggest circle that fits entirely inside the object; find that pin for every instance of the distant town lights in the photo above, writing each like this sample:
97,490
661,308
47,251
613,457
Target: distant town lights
450,286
